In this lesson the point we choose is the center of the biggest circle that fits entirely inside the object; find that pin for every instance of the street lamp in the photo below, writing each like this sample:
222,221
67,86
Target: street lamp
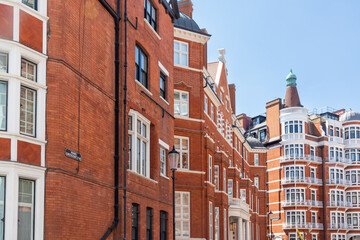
173,162
271,219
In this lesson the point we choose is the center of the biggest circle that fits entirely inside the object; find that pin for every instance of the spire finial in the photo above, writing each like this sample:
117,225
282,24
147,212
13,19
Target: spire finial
291,70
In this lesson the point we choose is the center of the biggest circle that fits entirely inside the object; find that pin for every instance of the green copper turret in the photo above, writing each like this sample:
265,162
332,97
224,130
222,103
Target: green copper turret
291,79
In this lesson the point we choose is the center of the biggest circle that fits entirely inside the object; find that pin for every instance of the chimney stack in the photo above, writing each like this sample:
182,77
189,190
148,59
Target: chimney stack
186,7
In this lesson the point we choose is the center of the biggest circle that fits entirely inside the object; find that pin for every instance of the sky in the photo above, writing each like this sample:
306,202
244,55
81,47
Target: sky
264,39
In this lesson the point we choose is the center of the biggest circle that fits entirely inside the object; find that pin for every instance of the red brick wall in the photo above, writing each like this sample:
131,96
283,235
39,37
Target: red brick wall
5,150
29,153
31,31
6,21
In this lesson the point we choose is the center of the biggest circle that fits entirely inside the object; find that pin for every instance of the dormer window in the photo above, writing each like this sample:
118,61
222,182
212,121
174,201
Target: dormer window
150,13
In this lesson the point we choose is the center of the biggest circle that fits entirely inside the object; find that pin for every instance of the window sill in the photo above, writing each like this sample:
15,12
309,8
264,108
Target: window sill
162,175
152,29
144,88
140,175
165,100
24,81
188,68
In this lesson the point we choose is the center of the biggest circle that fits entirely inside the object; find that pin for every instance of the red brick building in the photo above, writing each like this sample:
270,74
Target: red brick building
90,103
63,121
220,183
312,166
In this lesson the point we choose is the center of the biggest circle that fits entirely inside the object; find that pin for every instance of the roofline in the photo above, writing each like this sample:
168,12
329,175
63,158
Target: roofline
201,33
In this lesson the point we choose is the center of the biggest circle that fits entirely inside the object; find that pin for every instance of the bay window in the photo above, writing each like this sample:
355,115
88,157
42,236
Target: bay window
139,135
26,209
353,155
336,175
27,111
295,217
337,197
4,62
182,146
294,151
294,172
353,197
293,127
294,195
182,214
181,103
337,236
352,132
3,105
28,70
181,53
337,219
353,219
336,154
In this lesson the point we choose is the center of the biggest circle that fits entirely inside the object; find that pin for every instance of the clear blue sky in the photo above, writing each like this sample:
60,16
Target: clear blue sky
318,39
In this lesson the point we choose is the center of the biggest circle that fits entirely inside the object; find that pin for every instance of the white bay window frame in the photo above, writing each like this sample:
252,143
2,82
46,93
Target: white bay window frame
140,145
13,172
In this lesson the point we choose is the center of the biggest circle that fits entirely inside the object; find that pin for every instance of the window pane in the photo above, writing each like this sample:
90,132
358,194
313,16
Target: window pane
26,209
3,62
176,46
3,105
28,70
30,3
184,47
27,111
184,60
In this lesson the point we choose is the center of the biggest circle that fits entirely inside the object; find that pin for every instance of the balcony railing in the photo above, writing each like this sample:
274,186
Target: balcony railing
338,182
338,160
309,203
350,142
293,136
301,158
336,139
338,226
293,180
238,203
313,181
303,225
339,204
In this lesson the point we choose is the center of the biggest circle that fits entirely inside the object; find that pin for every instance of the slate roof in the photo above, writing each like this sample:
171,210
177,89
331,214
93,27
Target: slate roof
254,142
350,116
187,23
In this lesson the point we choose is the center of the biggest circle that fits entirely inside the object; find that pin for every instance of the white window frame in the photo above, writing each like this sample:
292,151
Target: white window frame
294,172
183,219
224,180
182,103
293,127
212,111
295,195
134,146
211,219
230,188
4,106
243,195
34,112
210,169
206,105
256,181
225,224
28,64
13,172
181,151
217,177
295,217
256,159
180,52
4,68
163,161
217,223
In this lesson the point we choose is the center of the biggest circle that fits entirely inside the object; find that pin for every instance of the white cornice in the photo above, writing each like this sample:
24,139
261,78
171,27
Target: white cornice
190,36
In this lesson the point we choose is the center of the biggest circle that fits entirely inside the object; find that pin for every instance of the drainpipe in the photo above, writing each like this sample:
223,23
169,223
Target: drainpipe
116,17
125,118
323,191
